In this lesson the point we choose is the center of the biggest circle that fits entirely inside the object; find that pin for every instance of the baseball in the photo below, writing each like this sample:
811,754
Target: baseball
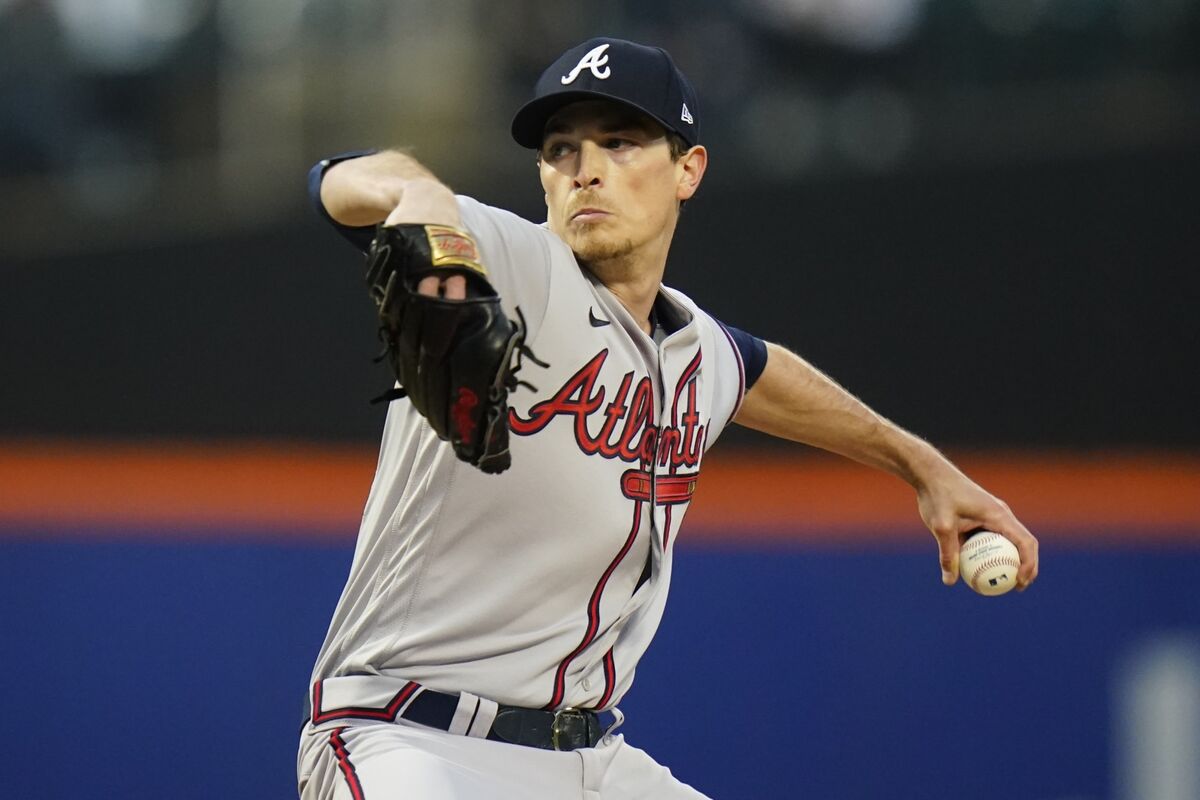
988,563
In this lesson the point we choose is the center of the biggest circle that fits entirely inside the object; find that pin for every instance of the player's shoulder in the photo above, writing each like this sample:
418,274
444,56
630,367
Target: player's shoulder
478,214
691,305
470,207
524,240
749,347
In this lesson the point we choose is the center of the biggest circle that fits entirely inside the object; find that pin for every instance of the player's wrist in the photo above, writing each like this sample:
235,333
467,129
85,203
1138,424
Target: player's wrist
919,463
426,201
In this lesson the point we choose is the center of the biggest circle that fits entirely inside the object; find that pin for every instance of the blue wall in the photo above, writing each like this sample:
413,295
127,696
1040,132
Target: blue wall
141,668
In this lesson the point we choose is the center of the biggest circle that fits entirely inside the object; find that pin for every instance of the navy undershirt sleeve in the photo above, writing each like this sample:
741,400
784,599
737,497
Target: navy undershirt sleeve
753,350
360,237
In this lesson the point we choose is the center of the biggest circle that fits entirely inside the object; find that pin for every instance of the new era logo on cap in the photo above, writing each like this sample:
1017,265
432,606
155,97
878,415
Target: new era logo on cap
612,69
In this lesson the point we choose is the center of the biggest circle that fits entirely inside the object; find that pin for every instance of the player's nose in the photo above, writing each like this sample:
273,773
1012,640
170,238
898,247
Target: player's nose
590,165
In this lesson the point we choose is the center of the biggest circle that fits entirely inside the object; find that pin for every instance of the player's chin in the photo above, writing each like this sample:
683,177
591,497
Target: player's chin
594,230
599,246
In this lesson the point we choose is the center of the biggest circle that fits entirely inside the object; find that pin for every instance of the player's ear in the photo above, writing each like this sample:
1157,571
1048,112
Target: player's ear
691,171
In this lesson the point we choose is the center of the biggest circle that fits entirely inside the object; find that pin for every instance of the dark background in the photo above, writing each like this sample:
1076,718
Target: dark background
1045,305
983,219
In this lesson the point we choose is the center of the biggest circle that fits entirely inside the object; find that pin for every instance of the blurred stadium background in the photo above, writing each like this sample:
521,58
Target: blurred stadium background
980,215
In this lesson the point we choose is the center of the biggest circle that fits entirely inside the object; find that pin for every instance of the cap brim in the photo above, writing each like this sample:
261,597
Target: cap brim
529,123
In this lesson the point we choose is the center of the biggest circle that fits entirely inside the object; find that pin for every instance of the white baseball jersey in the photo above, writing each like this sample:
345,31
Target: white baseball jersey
541,586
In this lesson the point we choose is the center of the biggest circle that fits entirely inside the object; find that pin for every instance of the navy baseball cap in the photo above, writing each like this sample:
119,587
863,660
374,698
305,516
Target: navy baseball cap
613,69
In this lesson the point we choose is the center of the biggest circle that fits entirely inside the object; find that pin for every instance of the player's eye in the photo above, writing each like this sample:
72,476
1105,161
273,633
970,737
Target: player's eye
553,151
616,143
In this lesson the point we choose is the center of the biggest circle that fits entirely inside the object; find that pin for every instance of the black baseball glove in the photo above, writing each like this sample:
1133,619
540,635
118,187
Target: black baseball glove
455,360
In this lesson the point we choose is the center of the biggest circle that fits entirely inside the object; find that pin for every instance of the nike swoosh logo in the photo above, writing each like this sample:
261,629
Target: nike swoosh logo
596,323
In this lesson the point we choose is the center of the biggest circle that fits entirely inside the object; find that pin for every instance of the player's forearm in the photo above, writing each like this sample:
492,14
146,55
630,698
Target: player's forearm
794,400
389,186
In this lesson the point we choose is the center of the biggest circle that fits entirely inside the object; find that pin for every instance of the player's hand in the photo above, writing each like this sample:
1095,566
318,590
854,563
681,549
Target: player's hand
430,201
452,288
952,505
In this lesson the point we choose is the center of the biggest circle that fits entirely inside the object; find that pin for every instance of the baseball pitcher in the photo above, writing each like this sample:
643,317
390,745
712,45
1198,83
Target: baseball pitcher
552,408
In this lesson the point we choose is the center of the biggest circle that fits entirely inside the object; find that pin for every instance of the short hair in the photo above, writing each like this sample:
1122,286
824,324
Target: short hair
677,144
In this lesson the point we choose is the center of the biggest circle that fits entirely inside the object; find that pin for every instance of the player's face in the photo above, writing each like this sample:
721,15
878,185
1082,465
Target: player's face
612,187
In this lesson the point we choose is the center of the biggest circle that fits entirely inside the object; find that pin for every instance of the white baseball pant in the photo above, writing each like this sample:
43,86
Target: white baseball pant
366,760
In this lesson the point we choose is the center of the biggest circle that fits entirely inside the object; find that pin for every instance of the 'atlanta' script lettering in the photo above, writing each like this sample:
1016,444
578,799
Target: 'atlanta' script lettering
624,428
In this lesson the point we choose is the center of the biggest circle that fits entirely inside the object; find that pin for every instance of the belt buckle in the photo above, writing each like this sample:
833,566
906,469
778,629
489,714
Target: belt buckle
556,726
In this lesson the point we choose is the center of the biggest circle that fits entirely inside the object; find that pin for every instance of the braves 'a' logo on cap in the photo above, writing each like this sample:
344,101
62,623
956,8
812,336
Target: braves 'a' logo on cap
595,60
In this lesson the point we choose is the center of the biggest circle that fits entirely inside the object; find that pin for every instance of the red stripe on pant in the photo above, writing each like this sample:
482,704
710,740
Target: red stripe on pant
343,760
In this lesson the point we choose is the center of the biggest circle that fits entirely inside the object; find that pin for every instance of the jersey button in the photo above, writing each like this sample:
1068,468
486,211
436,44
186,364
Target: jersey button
587,685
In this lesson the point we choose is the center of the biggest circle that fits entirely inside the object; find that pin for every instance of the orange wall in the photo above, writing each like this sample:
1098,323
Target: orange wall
311,491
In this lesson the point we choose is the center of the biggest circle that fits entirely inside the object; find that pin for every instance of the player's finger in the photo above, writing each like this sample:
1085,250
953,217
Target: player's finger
948,547
1005,523
1027,548
428,286
455,287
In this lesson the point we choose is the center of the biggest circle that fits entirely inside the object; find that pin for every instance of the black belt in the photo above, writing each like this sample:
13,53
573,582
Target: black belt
565,729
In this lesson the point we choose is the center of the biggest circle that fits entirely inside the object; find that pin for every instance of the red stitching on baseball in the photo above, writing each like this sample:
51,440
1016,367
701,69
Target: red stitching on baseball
976,542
